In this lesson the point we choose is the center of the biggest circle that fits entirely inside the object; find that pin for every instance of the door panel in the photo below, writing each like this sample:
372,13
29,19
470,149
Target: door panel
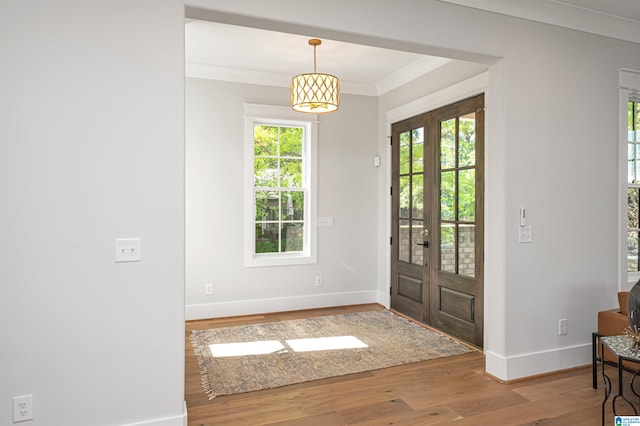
438,218
456,304
457,279
410,288
409,292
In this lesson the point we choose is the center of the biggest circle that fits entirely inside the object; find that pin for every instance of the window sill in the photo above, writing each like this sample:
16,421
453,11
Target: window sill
279,260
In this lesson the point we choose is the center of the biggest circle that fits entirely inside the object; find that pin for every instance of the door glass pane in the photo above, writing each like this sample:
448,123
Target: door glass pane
447,195
447,247
458,194
405,153
448,144
467,250
418,150
292,234
267,237
267,205
416,229
467,141
405,240
467,195
404,196
417,196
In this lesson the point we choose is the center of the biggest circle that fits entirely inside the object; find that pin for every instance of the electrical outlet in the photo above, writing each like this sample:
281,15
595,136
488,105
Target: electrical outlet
22,408
319,281
563,327
208,289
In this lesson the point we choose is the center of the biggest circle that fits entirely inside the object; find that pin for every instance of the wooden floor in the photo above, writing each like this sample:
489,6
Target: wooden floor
441,391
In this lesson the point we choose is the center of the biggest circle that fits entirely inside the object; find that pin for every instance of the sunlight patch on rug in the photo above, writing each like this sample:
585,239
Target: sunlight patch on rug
263,356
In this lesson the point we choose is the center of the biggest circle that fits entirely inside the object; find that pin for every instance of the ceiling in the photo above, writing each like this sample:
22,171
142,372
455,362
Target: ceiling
272,58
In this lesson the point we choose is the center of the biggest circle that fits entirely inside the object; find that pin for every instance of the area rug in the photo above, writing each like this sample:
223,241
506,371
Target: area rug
253,357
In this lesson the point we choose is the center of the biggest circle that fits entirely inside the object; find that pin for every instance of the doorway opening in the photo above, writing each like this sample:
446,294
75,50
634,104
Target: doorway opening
437,259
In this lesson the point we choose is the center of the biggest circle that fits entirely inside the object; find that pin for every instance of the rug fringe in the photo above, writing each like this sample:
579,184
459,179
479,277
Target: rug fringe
204,377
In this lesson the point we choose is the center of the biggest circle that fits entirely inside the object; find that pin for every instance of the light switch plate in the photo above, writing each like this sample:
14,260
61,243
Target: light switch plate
525,235
127,250
325,221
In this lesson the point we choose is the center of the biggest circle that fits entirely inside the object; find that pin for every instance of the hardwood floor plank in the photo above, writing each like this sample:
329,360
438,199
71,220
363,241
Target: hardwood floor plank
325,419
381,410
435,392
432,416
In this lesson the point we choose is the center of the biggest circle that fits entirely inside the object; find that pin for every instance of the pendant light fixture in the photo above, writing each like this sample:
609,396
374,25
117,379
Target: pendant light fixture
315,93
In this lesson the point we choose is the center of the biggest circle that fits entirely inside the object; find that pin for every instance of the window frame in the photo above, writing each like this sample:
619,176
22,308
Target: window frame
629,90
632,275
281,116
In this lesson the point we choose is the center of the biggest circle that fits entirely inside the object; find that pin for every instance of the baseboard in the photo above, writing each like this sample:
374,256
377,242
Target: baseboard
179,420
278,304
536,363
384,298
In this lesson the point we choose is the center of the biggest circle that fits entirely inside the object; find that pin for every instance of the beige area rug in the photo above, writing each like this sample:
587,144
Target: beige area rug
264,356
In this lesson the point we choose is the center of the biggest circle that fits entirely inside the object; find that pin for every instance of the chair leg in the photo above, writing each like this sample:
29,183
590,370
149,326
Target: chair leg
594,358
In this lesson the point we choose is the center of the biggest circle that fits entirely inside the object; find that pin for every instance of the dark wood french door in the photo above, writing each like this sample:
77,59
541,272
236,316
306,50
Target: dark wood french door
437,218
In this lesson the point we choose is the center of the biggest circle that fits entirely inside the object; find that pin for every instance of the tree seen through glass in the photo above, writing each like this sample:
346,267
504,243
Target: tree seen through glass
279,193
633,186
458,195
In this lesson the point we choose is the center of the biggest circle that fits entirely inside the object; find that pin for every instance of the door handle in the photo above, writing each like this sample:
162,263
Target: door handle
424,243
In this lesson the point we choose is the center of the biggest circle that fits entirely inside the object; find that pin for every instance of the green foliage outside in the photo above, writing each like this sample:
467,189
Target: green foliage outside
451,158
278,188
633,193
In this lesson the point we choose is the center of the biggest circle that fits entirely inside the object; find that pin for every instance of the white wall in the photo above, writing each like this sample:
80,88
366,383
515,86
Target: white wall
347,192
91,149
551,147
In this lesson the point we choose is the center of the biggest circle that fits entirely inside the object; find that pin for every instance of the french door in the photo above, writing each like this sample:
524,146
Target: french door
437,218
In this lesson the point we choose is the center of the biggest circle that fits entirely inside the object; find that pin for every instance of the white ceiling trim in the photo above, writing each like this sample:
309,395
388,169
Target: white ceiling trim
409,73
266,78
239,75
573,14
459,91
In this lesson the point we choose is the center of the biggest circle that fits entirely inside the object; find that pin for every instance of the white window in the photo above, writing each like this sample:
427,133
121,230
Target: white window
633,186
280,186
629,177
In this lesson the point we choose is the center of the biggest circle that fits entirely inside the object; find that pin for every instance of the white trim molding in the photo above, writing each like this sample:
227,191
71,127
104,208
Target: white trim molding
179,420
535,363
286,116
457,92
629,87
279,304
